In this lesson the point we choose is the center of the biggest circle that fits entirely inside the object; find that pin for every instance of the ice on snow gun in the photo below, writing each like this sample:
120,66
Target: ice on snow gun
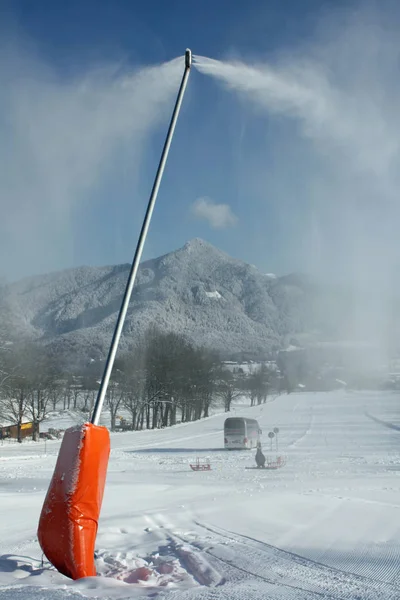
69,518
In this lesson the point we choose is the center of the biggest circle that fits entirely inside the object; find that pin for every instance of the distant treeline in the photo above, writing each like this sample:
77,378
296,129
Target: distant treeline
163,381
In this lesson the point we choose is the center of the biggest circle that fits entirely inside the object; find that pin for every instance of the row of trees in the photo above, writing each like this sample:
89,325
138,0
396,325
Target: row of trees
167,379
164,381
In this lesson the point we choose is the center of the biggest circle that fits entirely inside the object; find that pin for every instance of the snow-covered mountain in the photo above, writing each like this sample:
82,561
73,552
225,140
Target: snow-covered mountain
213,299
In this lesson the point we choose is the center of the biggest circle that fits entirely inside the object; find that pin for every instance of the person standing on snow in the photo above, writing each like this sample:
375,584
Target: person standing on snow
260,458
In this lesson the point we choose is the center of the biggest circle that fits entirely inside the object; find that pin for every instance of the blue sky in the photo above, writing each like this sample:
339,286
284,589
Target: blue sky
225,151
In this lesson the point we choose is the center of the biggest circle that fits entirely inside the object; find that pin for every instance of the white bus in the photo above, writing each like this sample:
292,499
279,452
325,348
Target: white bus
241,433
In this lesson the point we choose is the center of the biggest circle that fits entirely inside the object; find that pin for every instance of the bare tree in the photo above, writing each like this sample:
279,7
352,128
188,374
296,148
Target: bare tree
67,392
13,405
76,391
259,384
201,369
90,381
38,407
89,398
114,401
55,394
229,387
115,393
162,356
133,383
15,391
41,374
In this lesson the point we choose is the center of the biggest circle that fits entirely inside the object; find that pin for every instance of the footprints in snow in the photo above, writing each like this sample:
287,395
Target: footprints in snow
172,562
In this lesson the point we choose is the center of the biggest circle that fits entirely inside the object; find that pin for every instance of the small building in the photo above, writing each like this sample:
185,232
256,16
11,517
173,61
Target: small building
9,430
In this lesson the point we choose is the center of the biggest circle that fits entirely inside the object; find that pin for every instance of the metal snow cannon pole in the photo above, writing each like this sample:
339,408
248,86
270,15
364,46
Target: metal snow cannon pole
69,518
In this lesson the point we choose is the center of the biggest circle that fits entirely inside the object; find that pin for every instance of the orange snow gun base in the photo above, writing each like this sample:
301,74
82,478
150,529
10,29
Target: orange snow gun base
69,518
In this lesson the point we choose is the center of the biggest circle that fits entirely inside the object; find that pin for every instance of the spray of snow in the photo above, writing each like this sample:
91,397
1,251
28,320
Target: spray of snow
337,98
64,140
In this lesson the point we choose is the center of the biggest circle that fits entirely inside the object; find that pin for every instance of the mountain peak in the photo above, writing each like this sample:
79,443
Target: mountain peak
198,244
206,250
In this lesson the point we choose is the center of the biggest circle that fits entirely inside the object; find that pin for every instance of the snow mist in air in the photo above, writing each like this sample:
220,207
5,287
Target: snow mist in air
336,101
65,139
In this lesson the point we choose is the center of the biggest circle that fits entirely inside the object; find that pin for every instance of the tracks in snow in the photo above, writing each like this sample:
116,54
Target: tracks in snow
184,562
211,563
240,558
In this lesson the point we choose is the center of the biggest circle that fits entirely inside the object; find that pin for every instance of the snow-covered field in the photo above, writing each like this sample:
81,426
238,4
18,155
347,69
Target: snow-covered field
327,525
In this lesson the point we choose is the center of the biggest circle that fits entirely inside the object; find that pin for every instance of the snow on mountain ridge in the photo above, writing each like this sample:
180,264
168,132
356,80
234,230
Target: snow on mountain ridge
198,290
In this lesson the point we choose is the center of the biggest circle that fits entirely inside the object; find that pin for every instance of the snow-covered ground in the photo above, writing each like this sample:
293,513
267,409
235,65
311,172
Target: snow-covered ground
324,526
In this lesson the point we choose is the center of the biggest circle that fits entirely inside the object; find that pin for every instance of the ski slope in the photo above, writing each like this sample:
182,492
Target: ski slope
325,526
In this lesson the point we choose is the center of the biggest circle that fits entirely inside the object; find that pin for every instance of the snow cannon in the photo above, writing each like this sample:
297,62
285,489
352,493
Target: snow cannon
71,510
